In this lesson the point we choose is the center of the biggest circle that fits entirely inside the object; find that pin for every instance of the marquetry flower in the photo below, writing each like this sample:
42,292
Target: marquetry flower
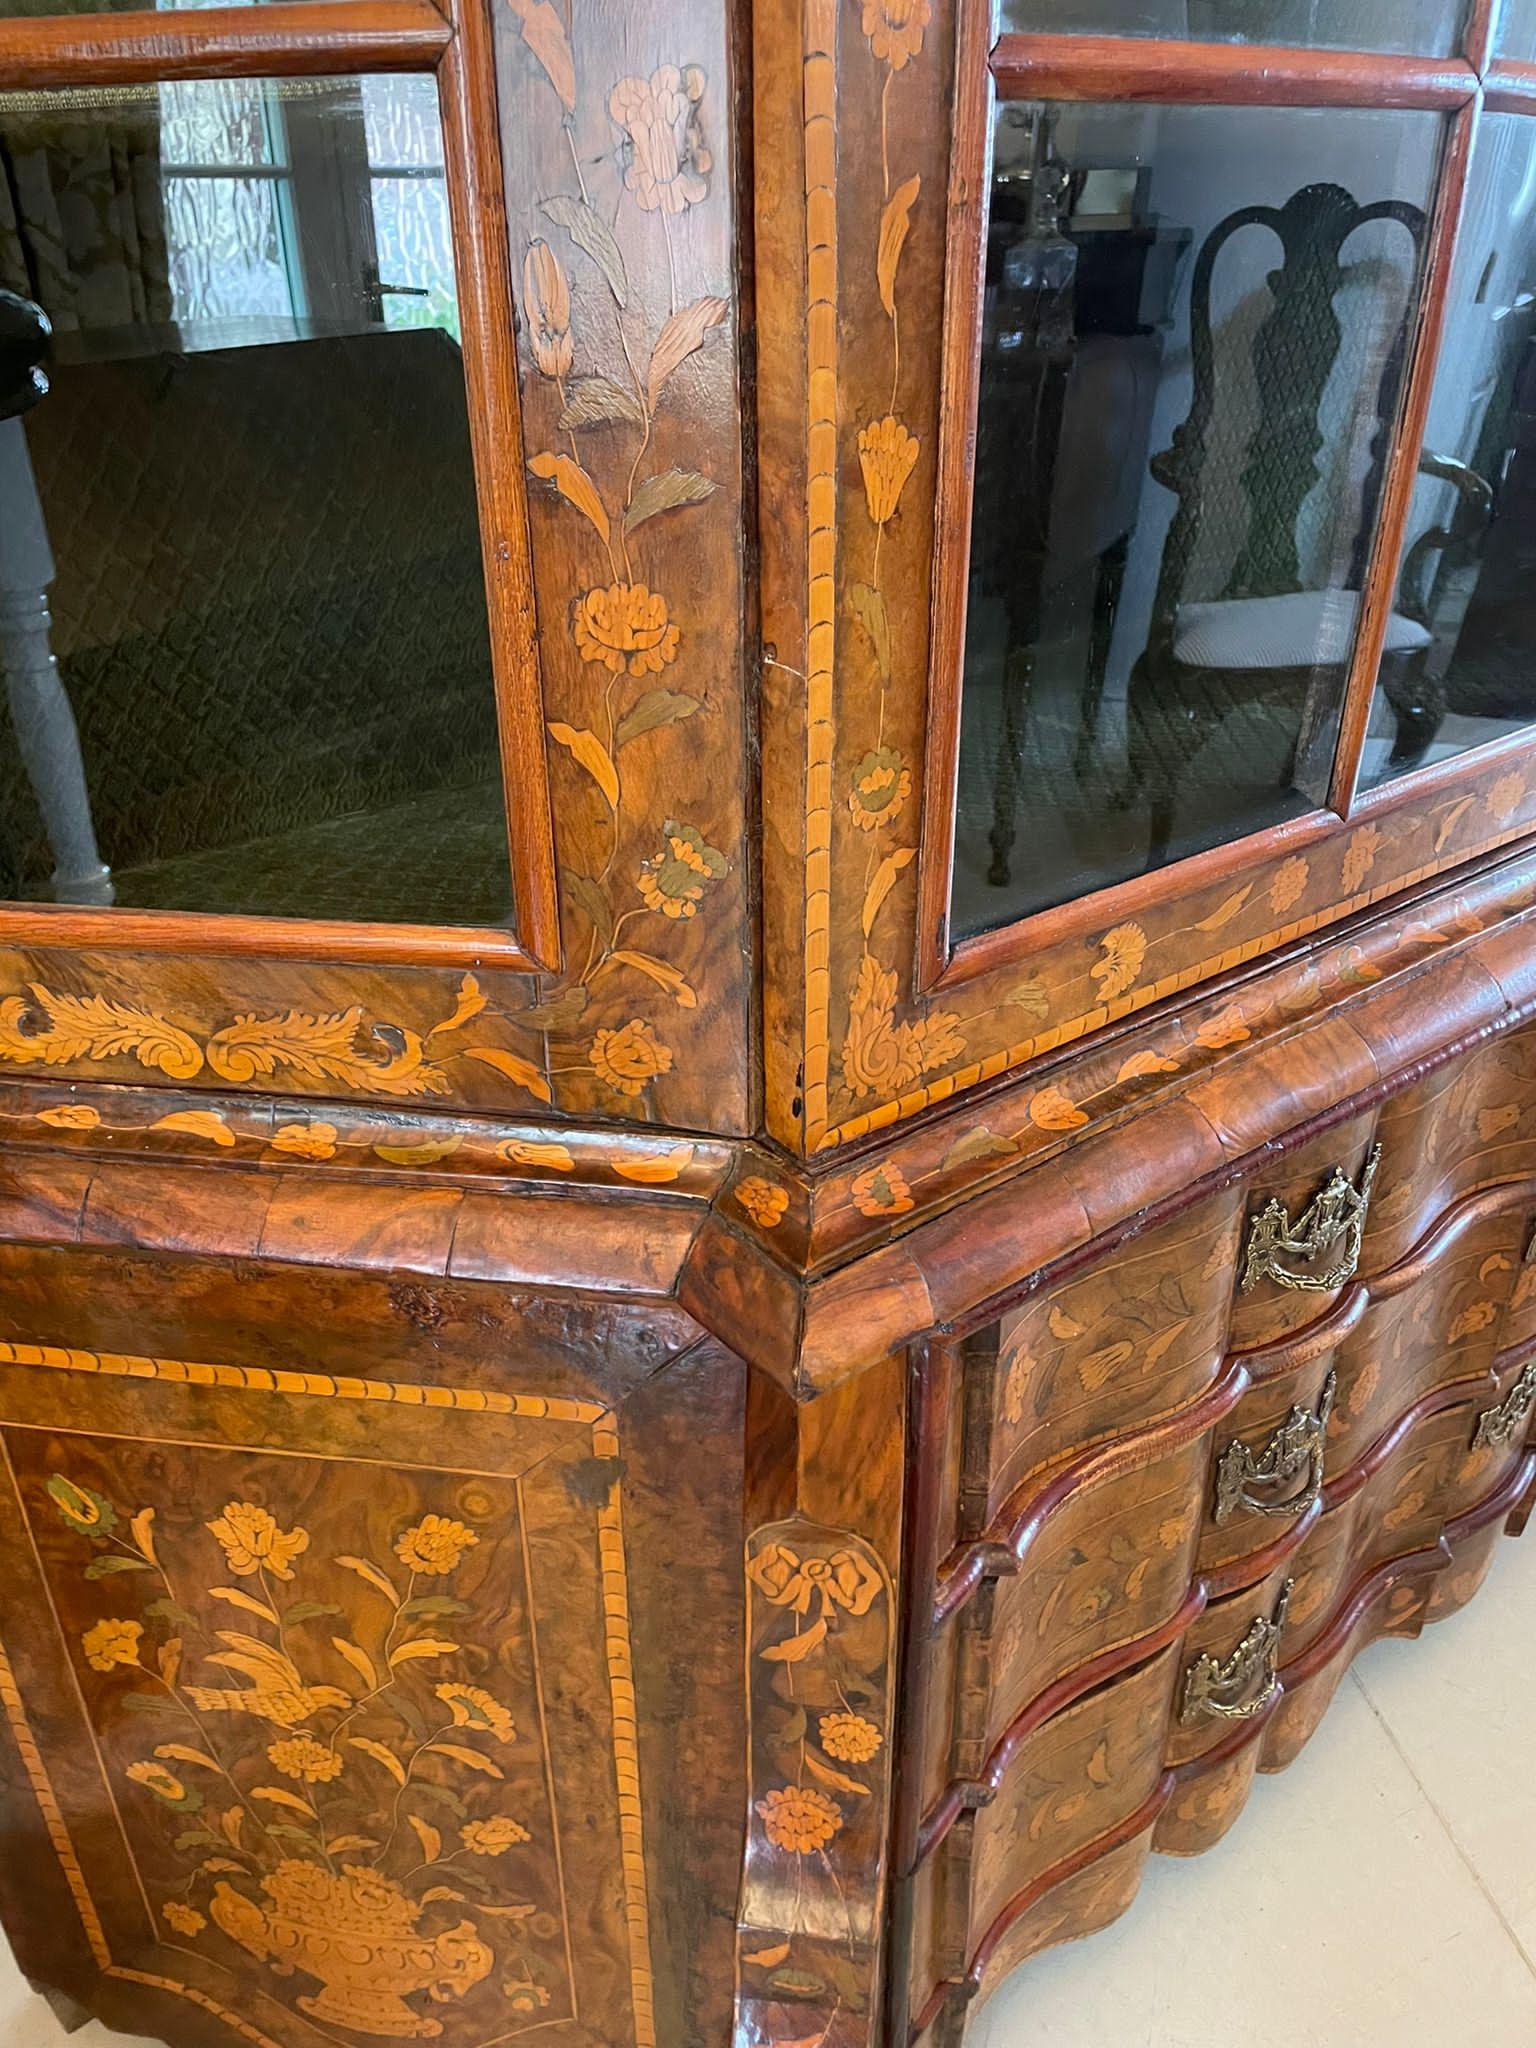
789,1580
895,29
849,1737
799,1819
107,1643
1290,879
547,305
625,627
305,1141
886,455
493,1837
435,1545
629,1057
881,1191
87,1513
185,1919
163,1783
251,1539
669,164
881,785
302,1757
70,1116
1121,953
762,1201
1505,794
1360,856
676,880
472,1707
881,1056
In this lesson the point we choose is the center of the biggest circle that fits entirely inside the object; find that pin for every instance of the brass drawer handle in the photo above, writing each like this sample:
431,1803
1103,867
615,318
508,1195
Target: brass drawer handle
1338,1210
1215,1687
1297,1446
1500,1425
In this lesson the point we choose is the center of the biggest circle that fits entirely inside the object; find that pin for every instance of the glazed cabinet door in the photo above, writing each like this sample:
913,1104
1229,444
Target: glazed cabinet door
343,1684
371,554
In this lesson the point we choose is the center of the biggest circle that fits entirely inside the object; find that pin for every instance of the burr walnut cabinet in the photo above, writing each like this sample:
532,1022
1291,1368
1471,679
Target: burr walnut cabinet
767,978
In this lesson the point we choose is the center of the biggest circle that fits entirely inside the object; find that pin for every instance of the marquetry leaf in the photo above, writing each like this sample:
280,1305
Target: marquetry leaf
883,883
979,1144
1064,1326
828,1776
794,1649
143,1526
664,492
339,1842
469,1002
425,1789
656,1167
432,1603
218,1863
1030,996
431,1841
1451,820
182,1754
100,1567
340,1045
236,1598
1141,1064
168,1660
536,1152
655,708
592,234
565,1010
197,1123
544,33
359,1659
682,993
372,1574
422,1646
514,1067
277,1795
1226,910
597,401
575,486
869,609
440,1891
588,749
232,1820
461,1754
380,1755
895,223
426,1152
587,894
1051,1110
678,339
92,1028
768,1958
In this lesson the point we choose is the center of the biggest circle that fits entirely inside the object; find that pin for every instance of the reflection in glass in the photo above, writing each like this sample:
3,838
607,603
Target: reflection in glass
1425,27
1515,36
247,501
1469,566
1193,335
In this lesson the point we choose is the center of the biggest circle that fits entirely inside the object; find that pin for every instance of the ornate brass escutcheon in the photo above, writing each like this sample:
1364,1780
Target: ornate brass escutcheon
1244,1477
1236,1687
1500,1425
1336,1211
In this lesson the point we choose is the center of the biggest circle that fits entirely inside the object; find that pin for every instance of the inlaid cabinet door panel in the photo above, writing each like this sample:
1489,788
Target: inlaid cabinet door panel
324,1691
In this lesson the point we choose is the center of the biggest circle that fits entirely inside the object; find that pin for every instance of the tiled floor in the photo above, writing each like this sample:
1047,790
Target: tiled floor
1380,1894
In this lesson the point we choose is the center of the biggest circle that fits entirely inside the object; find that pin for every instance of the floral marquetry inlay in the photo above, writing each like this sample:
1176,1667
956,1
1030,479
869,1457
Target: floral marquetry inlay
319,1712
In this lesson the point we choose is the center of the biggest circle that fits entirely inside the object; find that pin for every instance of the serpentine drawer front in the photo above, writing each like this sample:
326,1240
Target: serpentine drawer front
767,978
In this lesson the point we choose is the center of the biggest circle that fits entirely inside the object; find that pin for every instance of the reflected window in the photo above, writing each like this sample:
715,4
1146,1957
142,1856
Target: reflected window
1193,341
248,662
1424,27
1469,566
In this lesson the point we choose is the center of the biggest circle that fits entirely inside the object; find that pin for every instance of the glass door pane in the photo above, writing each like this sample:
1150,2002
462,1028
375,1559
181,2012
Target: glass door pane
1421,27
247,499
1468,579
1193,337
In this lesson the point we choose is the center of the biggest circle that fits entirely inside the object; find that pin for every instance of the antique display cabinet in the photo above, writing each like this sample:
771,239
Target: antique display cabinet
767,977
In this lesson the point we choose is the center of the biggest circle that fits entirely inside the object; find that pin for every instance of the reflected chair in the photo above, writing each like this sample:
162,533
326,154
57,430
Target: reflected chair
1264,639
41,718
